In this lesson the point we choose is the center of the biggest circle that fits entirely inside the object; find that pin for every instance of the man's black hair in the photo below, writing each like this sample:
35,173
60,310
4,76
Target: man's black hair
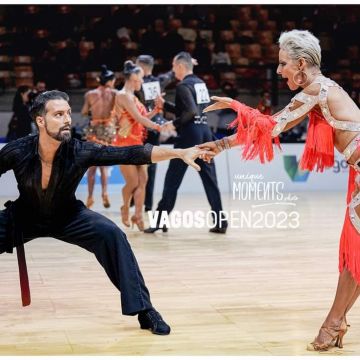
39,106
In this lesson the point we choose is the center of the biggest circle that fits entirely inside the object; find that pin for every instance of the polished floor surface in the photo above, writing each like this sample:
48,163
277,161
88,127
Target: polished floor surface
262,291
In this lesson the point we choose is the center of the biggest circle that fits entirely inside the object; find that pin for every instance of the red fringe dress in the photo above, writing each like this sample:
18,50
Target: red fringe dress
130,131
254,134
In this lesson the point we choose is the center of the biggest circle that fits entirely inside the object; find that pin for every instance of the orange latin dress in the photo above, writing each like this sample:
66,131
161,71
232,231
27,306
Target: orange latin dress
257,133
130,132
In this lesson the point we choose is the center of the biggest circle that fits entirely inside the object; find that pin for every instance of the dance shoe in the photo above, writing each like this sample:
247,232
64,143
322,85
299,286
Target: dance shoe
89,202
218,230
328,337
106,201
125,215
151,230
139,222
152,320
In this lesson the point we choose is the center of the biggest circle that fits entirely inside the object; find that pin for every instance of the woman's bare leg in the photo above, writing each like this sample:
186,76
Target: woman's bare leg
91,184
139,193
130,174
104,180
345,293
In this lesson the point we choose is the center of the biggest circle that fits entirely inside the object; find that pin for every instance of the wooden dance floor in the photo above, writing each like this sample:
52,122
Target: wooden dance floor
250,292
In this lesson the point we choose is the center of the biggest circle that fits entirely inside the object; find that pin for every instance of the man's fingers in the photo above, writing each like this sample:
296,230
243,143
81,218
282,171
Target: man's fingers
194,165
207,153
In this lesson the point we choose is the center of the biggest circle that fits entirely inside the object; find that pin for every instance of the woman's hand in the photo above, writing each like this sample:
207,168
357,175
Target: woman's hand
189,156
168,126
221,103
211,147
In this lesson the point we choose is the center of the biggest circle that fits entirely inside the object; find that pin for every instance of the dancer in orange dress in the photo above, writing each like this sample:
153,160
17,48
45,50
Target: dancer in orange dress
334,120
132,121
100,103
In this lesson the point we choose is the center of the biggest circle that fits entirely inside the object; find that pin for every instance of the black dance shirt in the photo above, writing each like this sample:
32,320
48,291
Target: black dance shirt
71,161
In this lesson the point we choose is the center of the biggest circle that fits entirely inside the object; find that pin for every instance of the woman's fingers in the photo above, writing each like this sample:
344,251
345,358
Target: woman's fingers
223,99
216,106
221,103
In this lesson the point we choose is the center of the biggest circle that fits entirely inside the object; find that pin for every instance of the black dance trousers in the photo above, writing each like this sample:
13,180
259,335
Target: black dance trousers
102,237
191,135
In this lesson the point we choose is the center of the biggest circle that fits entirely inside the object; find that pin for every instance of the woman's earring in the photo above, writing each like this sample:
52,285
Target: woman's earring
300,78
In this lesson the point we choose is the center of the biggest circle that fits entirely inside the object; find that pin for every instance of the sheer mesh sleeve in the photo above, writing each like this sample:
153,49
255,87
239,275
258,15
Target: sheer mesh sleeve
92,154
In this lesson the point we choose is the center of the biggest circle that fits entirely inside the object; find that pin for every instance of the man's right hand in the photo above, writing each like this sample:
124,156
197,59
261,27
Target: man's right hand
159,101
211,147
189,156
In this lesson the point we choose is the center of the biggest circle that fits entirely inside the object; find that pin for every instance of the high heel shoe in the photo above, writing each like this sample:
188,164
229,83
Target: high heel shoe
89,202
125,216
106,201
334,337
139,222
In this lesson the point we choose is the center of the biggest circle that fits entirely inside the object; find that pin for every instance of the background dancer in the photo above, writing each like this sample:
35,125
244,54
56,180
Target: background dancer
133,119
99,103
190,99
151,88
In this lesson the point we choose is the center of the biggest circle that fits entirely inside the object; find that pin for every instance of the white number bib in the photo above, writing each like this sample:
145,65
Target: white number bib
151,90
202,94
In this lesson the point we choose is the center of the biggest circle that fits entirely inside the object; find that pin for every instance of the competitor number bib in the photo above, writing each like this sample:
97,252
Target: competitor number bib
202,93
151,90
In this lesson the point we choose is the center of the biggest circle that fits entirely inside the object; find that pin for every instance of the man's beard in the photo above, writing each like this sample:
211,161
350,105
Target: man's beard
59,136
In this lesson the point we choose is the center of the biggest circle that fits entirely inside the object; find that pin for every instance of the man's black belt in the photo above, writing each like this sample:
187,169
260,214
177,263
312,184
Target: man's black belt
15,238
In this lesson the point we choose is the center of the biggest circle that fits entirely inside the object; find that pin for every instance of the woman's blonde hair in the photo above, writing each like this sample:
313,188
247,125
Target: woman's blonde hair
301,44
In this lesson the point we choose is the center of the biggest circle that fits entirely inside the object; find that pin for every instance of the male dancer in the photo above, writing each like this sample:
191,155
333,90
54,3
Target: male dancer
151,88
191,97
48,168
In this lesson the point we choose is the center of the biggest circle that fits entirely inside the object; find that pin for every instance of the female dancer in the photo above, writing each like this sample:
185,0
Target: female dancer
100,102
132,120
334,120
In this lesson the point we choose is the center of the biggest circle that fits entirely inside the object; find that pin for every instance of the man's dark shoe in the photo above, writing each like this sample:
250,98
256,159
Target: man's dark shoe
218,230
152,320
151,230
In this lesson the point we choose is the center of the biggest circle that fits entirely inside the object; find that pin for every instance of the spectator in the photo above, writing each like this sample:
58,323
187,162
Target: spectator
151,40
173,42
20,123
220,58
39,88
264,105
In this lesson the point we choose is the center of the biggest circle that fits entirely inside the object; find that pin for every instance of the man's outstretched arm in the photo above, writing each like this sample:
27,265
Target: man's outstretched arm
188,155
91,154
